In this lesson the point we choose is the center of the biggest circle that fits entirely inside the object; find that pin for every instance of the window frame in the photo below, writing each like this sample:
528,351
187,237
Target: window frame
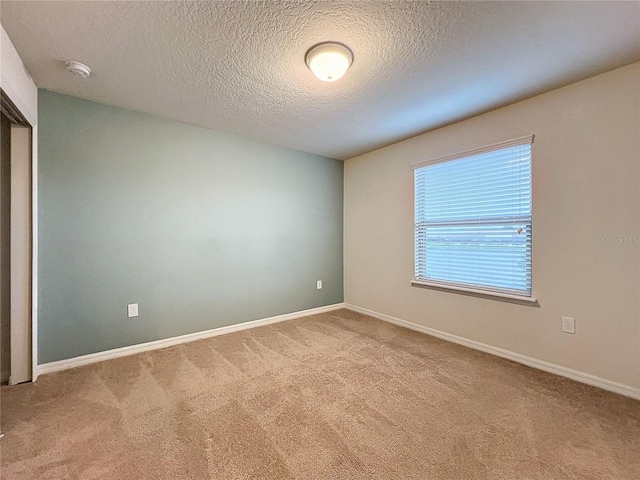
455,287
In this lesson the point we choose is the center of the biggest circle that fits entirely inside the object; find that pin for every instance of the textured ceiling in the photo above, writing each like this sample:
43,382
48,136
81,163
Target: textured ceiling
238,67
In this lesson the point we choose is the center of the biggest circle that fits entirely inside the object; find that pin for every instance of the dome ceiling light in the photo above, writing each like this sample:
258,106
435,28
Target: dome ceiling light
329,60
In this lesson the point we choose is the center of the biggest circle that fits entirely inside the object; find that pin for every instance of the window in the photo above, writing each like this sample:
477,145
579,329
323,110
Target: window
473,220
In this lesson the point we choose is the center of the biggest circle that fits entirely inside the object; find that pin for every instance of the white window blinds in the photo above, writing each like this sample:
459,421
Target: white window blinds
473,220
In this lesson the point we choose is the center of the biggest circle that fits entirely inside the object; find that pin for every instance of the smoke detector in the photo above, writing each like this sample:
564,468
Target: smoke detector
78,69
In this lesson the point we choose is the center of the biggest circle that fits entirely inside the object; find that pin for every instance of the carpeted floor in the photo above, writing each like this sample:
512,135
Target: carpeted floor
332,396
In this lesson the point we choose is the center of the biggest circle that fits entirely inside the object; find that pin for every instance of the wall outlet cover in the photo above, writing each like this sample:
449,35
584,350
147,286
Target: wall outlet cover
568,325
132,310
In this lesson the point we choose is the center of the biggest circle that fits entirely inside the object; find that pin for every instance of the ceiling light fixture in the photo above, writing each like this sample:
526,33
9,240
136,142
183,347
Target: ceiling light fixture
78,69
329,60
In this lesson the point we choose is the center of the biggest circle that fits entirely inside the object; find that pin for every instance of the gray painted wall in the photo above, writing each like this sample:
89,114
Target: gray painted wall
200,228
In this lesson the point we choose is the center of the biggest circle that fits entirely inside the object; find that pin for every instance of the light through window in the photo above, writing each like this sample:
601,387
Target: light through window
473,220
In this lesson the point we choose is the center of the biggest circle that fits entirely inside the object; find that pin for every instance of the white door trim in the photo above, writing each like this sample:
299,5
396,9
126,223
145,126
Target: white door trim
34,253
18,85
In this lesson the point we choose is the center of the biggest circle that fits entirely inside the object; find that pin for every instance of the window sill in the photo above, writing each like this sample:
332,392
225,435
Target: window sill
505,297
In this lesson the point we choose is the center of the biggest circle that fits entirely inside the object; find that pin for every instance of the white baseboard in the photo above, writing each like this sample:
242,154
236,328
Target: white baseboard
576,375
168,342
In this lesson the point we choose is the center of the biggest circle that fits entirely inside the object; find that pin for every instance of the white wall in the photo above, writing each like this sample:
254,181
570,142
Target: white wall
586,174
16,81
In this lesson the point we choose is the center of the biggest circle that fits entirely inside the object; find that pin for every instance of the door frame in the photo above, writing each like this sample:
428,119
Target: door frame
19,88
21,241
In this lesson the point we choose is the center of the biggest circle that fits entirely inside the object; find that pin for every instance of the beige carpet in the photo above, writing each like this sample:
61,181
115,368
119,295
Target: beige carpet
333,396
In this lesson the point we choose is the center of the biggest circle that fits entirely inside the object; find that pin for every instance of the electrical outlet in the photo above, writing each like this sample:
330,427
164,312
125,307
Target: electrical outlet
568,325
132,310
319,284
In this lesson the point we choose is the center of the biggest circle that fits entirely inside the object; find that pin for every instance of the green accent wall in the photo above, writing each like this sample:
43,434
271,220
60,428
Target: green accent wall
201,229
